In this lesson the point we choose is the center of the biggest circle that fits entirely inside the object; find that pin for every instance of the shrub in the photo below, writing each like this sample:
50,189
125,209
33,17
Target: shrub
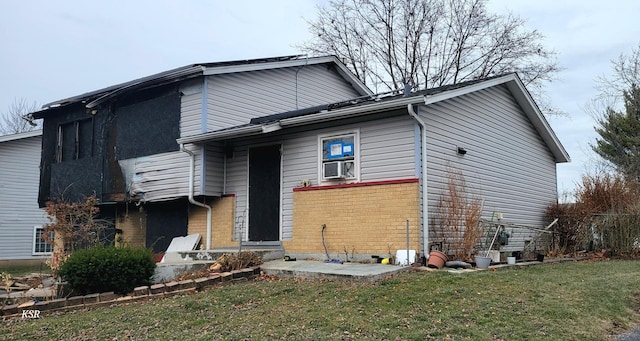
101,269
606,215
73,226
457,221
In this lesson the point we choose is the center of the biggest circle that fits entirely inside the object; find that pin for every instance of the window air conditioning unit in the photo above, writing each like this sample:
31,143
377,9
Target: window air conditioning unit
333,170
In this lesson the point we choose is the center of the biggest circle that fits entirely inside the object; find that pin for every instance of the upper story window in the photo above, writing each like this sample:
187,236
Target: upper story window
339,159
75,140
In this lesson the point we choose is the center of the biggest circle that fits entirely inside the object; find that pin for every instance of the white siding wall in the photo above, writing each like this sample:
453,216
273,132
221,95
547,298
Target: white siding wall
506,163
233,99
162,176
19,212
300,160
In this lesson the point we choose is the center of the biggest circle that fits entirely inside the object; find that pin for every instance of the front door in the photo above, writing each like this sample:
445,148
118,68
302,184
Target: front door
264,193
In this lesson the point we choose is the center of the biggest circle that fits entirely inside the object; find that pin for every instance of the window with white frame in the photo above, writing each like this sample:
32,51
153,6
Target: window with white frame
339,157
40,246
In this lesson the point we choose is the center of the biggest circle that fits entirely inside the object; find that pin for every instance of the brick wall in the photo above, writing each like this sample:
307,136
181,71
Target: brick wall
364,220
222,222
133,224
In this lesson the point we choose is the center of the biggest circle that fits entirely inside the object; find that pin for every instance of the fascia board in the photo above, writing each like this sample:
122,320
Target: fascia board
355,82
441,96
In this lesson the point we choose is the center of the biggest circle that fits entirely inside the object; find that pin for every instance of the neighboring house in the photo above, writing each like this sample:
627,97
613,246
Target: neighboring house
21,219
295,153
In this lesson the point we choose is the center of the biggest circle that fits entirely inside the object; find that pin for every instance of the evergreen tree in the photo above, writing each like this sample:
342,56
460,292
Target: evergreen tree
619,141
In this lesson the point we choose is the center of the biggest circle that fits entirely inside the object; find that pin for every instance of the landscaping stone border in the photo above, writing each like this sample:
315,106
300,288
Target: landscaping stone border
141,293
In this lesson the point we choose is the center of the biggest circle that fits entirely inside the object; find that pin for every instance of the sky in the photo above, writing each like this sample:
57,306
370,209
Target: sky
52,50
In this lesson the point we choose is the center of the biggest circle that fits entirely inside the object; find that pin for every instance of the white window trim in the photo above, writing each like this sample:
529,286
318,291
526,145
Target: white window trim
356,158
33,242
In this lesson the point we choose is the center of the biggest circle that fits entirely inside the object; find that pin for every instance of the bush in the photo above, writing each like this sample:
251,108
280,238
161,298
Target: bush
101,269
606,215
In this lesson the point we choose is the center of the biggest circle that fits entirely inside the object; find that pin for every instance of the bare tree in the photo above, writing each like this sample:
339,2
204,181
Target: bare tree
428,43
626,75
15,119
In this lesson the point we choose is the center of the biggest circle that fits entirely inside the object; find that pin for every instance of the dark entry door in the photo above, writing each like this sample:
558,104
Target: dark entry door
264,193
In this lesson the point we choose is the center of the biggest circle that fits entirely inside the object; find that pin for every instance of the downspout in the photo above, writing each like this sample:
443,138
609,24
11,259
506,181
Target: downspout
425,202
192,162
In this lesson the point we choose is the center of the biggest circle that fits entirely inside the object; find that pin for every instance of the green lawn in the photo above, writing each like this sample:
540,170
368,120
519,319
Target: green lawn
569,301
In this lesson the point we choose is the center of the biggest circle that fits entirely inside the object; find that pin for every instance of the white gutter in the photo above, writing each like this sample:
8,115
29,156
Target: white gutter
423,181
192,200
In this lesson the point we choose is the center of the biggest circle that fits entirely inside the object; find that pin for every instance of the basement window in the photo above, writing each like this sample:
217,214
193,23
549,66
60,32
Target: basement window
75,140
40,246
339,157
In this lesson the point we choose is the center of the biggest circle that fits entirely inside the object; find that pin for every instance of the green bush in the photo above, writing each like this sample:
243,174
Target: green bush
101,269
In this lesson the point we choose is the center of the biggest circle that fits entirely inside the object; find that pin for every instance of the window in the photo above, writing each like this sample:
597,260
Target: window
339,157
40,246
75,140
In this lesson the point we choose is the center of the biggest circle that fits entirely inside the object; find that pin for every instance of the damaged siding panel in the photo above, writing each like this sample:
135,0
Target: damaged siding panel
234,99
19,212
159,177
507,163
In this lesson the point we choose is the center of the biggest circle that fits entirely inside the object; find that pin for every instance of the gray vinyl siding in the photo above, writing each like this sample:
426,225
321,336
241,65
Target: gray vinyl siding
19,212
236,182
387,149
300,160
507,163
214,170
234,99
191,108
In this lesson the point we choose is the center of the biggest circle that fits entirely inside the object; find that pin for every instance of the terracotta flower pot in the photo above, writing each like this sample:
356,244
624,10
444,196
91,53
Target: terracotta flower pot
436,259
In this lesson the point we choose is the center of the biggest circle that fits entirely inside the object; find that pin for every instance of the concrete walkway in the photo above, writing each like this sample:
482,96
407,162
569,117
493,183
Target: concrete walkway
319,269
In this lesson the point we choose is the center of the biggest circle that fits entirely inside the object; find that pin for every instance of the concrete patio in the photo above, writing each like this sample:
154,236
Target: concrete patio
320,269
